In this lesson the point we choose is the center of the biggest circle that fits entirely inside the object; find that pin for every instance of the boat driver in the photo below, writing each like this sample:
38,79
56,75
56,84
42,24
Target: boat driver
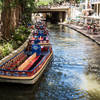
36,41
36,47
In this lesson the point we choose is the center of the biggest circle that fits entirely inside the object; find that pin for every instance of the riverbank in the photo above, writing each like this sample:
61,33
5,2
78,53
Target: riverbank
95,38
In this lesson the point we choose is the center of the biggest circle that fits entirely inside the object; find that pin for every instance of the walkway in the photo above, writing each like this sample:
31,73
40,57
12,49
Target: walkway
95,38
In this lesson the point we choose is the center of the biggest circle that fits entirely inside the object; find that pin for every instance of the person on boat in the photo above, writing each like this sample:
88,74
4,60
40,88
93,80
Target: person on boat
41,27
32,48
35,33
40,33
36,47
46,32
36,41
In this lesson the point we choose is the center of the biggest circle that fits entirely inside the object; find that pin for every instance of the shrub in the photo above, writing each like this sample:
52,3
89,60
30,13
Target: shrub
6,49
21,34
18,38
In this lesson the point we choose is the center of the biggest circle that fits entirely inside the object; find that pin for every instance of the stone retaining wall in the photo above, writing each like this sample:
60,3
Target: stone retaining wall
15,52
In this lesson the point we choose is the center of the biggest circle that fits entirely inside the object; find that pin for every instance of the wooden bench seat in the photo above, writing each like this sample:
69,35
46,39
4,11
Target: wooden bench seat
31,63
23,65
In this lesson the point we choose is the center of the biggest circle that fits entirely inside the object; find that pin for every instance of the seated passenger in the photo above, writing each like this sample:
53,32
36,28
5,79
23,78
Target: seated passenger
40,33
35,34
36,41
36,48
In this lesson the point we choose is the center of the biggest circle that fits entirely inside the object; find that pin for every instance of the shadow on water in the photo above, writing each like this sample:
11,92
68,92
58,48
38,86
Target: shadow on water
73,75
13,91
16,92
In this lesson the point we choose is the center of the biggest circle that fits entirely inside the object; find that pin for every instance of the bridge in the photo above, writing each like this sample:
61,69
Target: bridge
58,13
53,9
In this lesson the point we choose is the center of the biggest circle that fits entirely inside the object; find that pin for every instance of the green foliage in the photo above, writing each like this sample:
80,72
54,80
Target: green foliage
78,1
18,39
29,5
7,48
57,1
28,8
43,2
47,2
21,34
1,5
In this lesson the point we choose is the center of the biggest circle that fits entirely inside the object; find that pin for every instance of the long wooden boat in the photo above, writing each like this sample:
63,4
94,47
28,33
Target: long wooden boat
28,65
26,70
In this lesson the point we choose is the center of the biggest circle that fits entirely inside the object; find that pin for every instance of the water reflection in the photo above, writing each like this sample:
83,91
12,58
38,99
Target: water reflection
81,57
18,91
15,92
73,75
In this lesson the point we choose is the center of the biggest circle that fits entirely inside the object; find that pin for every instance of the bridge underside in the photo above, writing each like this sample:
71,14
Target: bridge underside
56,14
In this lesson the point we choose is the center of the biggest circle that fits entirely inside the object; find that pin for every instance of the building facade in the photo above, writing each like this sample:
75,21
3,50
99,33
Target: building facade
95,6
92,5
90,10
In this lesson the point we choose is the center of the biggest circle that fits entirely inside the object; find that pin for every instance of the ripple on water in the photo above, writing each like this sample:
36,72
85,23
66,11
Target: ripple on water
71,57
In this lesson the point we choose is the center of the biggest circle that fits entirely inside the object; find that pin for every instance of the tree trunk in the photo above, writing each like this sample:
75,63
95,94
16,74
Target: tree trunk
18,13
13,19
5,18
10,17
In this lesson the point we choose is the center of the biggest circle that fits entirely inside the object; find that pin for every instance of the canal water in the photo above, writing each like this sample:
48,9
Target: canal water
74,73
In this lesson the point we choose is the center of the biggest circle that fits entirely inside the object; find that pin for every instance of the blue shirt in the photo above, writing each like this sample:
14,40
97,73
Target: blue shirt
36,48
36,41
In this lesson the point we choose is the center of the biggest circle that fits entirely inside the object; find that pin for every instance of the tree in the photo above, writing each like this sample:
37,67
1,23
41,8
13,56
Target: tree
28,7
12,12
74,1
9,17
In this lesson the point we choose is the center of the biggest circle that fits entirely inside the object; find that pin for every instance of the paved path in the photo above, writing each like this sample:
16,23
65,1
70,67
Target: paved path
95,38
